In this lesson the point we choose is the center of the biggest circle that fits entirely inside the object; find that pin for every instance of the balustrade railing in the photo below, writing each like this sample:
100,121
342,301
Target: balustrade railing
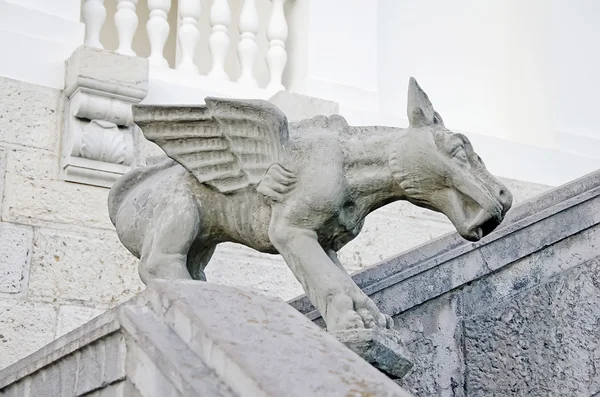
191,15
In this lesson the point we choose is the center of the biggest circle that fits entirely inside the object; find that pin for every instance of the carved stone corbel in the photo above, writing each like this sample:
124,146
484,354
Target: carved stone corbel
99,134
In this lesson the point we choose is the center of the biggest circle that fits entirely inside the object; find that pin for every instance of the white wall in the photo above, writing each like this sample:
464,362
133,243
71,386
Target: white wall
519,70
334,51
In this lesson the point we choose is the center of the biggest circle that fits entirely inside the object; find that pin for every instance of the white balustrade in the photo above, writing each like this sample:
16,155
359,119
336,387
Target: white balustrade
126,21
158,31
188,34
94,15
247,46
218,43
277,33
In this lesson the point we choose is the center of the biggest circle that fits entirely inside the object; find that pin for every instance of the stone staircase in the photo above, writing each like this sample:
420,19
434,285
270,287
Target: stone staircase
515,314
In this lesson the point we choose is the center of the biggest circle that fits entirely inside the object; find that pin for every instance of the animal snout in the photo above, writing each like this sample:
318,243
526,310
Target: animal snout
505,198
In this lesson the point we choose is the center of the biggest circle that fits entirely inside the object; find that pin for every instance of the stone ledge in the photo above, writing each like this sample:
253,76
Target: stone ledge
379,348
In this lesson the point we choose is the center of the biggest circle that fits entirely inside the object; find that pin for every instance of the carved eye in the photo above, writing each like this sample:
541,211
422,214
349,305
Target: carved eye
460,153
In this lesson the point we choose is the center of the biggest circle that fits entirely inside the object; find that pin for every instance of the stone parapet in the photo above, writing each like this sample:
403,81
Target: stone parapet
194,338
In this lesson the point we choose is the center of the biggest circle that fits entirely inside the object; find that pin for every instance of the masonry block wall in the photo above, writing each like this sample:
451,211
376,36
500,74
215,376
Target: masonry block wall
61,263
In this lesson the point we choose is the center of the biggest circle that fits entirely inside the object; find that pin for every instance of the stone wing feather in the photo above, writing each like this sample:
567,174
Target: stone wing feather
228,144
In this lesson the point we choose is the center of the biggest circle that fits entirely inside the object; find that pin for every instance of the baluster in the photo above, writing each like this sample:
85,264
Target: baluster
188,34
277,32
158,31
218,43
94,15
126,21
247,47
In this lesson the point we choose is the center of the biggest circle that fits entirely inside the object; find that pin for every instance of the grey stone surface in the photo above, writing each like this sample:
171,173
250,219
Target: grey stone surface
24,328
29,114
15,257
101,70
85,267
432,335
381,348
191,338
268,332
34,196
242,174
541,342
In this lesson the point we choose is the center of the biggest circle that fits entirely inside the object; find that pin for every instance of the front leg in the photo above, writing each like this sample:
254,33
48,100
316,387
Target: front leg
333,292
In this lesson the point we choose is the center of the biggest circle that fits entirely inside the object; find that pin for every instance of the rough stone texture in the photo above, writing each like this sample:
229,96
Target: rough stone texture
197,339
266,331
2,175
432,335
38,201
24,328
29,114
15,257
99,365
541,342
75,266
381,348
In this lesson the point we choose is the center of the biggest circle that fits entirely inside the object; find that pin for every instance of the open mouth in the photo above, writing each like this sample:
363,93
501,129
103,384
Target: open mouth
483,224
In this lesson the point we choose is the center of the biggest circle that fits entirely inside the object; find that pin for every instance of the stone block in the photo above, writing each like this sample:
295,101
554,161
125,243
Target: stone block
29,114
32,164
379,348
24,328
45,382
71,317
432,334
103,70
47,202
541,342
100,363
15,257
77,266
296,357
154,351
2,174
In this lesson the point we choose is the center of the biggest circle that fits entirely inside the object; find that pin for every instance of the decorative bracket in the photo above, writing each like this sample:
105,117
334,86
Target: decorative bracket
99,134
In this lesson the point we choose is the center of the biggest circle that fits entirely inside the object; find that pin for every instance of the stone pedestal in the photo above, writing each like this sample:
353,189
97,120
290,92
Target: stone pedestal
378,347
197,339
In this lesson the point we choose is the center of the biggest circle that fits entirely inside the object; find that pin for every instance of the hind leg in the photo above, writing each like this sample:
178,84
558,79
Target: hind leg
165,249
198,257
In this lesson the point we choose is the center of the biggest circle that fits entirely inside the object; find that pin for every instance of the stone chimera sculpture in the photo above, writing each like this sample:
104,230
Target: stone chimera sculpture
241,173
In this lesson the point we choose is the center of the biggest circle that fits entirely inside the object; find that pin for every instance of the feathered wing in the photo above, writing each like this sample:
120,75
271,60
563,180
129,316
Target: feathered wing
228,144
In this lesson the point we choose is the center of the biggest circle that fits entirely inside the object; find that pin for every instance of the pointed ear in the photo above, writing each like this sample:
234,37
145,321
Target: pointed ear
420,110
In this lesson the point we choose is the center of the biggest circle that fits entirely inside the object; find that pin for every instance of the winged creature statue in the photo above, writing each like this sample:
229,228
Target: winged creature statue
239,172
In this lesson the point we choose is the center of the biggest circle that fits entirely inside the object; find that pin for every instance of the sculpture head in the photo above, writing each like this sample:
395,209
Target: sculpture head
439,170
